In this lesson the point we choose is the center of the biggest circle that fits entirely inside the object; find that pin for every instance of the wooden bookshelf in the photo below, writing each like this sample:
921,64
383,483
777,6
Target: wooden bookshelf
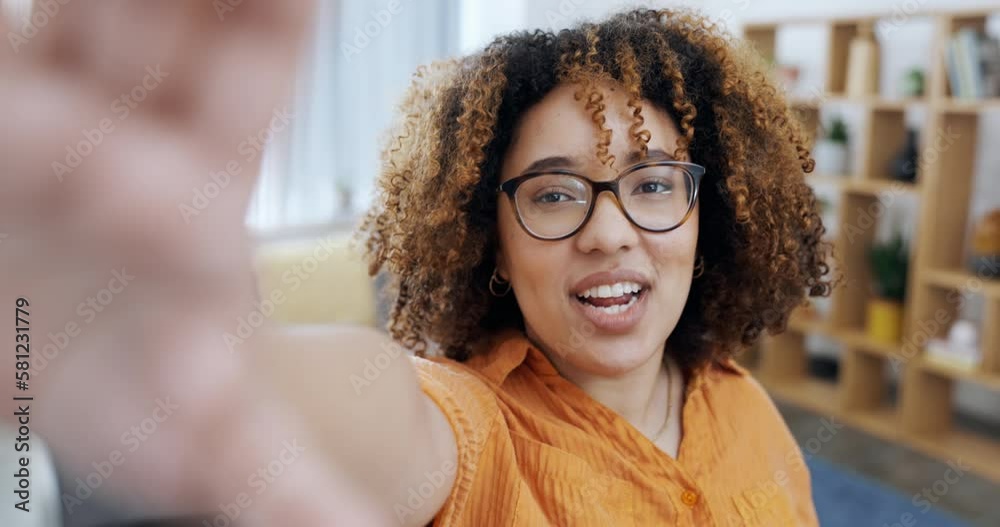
966,106
961,279
920,415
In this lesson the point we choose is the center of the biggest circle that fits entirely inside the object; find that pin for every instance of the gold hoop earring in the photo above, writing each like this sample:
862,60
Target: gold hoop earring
699,268
495,279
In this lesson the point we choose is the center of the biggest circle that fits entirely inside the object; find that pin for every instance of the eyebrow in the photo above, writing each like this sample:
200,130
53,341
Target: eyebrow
655,154
555,162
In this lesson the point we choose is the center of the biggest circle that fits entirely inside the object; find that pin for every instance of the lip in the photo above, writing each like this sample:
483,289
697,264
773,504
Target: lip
617,323
608,278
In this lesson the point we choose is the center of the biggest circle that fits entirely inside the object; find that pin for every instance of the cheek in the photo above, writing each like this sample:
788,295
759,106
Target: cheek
528,262
675,252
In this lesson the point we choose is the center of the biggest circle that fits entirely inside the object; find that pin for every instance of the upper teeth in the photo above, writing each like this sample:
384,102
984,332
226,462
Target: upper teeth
612,290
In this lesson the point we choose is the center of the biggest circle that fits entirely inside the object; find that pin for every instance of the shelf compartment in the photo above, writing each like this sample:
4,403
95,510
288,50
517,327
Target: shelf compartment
856,233
863,381
833,180
874,101
763,37
859,340
841,34
948,160
980,377
783,356
803,322
886,128
822,398
962,280
852,338
990,337
864,186
812,394
877,187
967,106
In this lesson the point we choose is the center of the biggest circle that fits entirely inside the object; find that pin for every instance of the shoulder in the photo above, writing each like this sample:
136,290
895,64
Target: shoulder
732,383
735,396
460,391
449,373
470,404
755,433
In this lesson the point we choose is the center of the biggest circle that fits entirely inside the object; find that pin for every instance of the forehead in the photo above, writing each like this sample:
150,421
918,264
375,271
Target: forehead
561,125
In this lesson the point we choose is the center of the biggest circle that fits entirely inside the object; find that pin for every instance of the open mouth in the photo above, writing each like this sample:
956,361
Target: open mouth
613,298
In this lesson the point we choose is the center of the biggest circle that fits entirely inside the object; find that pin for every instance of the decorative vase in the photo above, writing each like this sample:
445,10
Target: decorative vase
885,320
862,64
831,157
961,349
903,166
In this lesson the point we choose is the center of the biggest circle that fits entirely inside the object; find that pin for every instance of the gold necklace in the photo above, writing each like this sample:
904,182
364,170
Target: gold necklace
670,394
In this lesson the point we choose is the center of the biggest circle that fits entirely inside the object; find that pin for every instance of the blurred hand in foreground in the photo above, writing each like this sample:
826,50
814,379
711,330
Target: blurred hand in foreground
117,117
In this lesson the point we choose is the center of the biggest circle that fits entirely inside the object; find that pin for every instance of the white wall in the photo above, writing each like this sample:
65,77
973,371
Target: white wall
905,43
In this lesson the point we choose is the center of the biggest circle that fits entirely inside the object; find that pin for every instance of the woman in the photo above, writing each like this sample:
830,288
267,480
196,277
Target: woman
589,225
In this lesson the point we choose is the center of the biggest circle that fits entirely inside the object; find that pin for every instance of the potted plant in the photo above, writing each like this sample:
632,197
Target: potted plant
830,152
913,83
889,264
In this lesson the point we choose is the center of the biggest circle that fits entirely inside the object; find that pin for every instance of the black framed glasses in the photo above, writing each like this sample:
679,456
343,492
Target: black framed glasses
656,196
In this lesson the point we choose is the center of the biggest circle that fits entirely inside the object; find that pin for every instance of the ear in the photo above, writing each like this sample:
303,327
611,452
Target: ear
502,265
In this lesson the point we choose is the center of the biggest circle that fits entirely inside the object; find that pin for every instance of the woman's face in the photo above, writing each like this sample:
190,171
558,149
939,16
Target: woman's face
552,279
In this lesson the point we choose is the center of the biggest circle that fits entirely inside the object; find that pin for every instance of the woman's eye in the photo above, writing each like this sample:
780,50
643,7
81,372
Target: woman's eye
654,187
553,197
556,194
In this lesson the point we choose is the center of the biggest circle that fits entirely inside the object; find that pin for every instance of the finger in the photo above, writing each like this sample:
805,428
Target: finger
107,43
222,64
271,33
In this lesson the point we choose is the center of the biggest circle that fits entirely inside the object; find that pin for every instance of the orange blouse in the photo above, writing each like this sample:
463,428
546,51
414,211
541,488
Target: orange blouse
534,449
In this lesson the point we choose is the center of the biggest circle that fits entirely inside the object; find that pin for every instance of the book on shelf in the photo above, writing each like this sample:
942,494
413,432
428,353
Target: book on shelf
972,62
951,64
990,50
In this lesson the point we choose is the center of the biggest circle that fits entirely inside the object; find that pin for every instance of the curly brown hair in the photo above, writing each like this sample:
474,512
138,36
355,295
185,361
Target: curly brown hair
433,225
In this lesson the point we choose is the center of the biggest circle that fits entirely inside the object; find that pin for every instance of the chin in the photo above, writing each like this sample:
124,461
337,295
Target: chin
613,355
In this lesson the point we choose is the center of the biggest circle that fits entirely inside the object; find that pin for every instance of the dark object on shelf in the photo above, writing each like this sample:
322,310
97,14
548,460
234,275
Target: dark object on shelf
990,51
985,258
824,367
986,266
903,166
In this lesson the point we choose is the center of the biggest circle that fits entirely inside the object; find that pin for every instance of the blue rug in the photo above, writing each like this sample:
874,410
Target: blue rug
847,499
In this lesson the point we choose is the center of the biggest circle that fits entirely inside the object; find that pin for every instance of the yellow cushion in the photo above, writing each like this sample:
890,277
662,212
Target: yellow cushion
320,279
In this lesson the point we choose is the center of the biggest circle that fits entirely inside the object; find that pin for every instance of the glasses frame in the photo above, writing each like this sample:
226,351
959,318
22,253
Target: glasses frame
510,186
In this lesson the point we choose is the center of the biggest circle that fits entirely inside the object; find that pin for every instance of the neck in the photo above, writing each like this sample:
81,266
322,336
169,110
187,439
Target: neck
639,395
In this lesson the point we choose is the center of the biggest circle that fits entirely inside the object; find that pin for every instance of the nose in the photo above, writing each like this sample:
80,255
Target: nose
608,229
